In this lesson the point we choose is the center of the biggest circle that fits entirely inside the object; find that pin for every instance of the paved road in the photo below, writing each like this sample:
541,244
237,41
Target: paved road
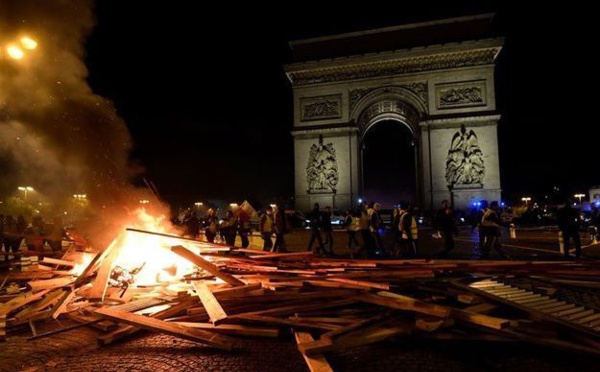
78,351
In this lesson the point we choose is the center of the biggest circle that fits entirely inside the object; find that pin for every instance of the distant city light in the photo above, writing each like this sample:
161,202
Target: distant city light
144,201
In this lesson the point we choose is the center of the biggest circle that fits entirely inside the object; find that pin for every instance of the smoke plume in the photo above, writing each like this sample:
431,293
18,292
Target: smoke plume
56,135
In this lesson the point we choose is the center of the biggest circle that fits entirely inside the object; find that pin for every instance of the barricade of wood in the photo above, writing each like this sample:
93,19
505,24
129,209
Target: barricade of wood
329,304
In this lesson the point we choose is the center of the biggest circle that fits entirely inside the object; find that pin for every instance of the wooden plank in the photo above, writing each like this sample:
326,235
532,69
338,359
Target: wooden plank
589,319
38,285
292,322
270,256
90,319
396,301
234,329
574,317
430,324
469,299
198,335
124,331
521,296
362,283
362,337
235,291
205,265
97,258
481,308
289,309
558,308
210,303
55,261
21,301
355,326
49,300
98,290
317,362
61,307
2,326
568,312
480,319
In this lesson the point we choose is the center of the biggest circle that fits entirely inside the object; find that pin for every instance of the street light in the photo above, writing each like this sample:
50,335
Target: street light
526,199
198,204
25,190
579,196
18,49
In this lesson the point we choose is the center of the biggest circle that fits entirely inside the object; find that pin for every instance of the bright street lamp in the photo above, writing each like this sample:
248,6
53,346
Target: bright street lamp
526,199
25,190
579,196
18,49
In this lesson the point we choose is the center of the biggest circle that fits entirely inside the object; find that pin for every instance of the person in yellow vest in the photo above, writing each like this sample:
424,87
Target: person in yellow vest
266,228
409,229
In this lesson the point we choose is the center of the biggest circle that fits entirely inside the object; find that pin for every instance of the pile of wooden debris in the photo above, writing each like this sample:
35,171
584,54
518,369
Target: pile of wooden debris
329,304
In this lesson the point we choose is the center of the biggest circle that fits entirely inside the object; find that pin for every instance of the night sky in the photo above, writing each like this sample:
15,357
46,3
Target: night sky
209,109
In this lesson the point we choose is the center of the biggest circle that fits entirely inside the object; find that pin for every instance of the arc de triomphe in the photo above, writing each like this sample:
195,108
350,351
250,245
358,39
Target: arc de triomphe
437,78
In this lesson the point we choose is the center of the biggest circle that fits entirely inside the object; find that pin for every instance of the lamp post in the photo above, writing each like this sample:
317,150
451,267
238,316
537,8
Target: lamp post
25,190
526,199
579,196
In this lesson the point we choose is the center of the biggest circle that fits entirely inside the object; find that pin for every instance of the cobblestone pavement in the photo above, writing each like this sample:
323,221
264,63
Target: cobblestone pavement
77,350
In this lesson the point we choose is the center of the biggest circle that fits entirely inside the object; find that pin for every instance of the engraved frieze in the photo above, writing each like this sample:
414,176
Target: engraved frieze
463,94
326,107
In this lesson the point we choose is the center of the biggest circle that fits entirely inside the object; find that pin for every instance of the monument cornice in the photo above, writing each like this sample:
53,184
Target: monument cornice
415,60
315,131
472,121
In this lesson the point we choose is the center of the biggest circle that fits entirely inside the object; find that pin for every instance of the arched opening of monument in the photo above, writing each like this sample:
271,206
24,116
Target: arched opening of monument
388,164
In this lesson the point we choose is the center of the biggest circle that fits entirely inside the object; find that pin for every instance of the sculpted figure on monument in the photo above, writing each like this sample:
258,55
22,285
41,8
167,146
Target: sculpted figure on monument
322,170
464,164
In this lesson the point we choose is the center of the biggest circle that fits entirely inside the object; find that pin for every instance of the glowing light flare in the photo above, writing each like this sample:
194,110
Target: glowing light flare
28,43
14,52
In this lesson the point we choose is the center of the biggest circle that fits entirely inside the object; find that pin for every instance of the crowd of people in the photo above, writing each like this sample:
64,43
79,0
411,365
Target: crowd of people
35,234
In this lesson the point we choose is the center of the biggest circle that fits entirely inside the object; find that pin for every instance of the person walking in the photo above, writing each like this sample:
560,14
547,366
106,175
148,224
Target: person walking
446,224
352,226
266,228
409,230
281,228
315,218
569,221
491,224
327,230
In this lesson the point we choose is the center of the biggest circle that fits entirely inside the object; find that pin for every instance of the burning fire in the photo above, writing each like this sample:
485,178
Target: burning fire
151,254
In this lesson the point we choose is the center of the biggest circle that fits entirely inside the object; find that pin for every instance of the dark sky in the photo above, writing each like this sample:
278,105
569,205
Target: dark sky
210,110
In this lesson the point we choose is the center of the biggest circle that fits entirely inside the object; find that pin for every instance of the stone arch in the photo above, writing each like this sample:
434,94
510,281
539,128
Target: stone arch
434,89
389,103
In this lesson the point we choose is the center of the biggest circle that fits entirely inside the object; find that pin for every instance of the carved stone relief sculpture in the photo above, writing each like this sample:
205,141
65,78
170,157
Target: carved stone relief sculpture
326,107
322,170
464,164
